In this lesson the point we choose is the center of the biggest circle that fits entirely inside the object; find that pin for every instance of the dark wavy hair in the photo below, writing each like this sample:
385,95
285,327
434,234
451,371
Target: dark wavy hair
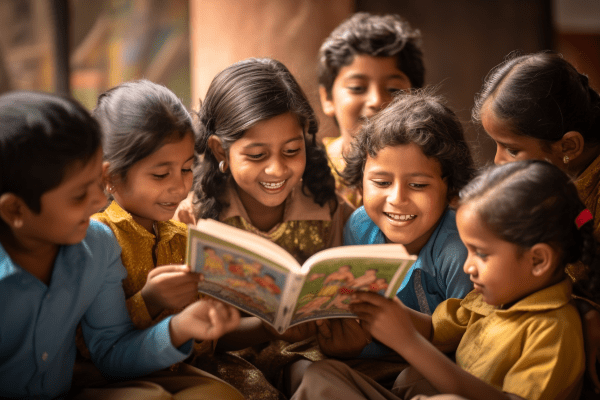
41,137
532,201
137,118
421,118
240,96
541,96
374,35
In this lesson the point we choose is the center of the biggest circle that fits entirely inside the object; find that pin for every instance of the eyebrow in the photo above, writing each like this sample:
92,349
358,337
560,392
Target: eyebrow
413,175
363,76
299,137
503,144
167,163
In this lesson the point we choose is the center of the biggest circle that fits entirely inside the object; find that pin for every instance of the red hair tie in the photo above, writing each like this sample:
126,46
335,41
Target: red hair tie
583,217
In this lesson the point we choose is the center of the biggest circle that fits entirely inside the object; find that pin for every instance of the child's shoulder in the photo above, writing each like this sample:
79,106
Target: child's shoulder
360,229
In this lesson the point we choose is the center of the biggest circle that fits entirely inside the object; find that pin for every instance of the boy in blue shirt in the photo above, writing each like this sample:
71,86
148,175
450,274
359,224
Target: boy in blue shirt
59,269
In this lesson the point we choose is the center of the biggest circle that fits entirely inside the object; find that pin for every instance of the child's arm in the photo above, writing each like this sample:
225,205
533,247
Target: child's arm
341,337
252,331
407,332
169,287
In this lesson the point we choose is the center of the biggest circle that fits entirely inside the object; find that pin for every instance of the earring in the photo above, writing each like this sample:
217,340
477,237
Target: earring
111,189
18,223
222,166
566,159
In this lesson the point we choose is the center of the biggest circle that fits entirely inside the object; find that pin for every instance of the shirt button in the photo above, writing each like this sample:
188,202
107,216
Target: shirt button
44,356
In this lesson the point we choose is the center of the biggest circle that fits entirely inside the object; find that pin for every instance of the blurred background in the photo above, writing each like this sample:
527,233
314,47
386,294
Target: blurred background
83,47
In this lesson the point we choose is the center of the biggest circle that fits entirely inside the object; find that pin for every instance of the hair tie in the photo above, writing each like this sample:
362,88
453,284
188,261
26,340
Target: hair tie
583,217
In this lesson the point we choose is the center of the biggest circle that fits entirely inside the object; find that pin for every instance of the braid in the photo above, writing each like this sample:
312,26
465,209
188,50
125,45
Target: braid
589,287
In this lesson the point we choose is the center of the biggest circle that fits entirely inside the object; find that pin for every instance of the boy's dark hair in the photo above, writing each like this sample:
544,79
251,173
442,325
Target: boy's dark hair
239,97
41,137
420,118
137,118
532,201
373,35
542,96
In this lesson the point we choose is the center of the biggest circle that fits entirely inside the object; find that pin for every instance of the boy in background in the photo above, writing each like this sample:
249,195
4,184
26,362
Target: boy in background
362,63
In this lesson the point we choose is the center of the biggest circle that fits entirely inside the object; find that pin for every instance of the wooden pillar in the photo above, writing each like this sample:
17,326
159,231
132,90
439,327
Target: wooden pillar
225,31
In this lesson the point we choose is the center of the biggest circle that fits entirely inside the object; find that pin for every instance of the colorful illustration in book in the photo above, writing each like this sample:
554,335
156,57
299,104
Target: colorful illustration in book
331,286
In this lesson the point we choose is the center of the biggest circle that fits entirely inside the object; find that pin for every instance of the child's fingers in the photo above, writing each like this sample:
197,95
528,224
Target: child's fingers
324,328
368,297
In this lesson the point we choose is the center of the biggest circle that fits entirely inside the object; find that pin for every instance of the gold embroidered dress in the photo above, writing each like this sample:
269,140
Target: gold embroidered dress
137,246
337,164
306,229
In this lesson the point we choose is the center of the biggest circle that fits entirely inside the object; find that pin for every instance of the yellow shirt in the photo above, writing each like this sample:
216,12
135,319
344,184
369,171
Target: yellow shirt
137,246
306,227
337,164
534,349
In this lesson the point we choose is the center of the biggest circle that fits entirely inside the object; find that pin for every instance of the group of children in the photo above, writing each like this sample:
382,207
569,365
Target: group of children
506,269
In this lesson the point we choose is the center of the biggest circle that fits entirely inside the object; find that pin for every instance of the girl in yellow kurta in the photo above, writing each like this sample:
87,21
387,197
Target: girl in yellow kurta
537,106
147,170
262,171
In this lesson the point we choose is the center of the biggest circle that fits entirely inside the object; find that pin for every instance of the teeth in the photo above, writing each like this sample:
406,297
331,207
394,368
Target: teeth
401,217
270,185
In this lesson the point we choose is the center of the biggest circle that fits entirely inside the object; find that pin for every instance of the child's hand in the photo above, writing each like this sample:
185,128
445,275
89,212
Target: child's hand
206,319
386,319
170,286
294,334
343,337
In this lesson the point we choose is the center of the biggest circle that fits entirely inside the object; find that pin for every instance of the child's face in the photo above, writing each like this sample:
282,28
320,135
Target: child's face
362,89
404,194
512,147
500,270
65,210
268,161
155,185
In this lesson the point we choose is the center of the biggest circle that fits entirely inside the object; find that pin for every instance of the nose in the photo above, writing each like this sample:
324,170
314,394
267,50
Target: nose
500,157
397,195
181,184
377,98
276,167
469,267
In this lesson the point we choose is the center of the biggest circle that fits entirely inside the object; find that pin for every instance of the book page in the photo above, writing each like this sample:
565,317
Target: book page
330,282
238,276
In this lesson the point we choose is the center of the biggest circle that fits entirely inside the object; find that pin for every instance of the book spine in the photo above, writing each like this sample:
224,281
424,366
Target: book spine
286,312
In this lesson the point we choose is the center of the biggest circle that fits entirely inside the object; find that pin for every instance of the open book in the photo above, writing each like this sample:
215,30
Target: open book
261,278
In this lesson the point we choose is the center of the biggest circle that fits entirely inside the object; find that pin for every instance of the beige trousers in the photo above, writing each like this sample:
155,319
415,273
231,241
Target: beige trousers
334,380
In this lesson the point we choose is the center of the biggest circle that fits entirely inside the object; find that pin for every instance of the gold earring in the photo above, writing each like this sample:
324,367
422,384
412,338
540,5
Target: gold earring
566,159
222,166
18,223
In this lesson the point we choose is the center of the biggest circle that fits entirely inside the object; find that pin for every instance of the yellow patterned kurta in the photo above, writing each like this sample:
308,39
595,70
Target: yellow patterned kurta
306,229
337,164
137,245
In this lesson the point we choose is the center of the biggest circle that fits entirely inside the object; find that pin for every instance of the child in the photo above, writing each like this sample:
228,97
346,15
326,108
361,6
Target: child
58,269
537,106
516,335
409,162
364,61
148,159
262,171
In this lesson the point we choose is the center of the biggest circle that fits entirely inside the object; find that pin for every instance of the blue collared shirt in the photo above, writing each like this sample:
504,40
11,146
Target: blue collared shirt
37,332
437,274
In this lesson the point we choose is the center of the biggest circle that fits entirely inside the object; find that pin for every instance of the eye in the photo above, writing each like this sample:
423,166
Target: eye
160,176
481,255
186,170
80,198
418,185
356,89
255,156
382,184
512,152
292,152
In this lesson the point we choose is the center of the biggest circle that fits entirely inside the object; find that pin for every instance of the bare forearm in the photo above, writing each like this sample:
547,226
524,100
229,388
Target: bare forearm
250,332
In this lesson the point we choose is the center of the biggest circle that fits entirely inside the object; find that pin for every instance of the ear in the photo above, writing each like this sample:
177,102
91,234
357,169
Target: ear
216,146
107,179
326,102
543,259
571,145
12,209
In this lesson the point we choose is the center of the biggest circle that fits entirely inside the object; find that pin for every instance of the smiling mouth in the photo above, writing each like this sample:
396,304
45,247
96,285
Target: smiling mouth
168,204
400,217
273,185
